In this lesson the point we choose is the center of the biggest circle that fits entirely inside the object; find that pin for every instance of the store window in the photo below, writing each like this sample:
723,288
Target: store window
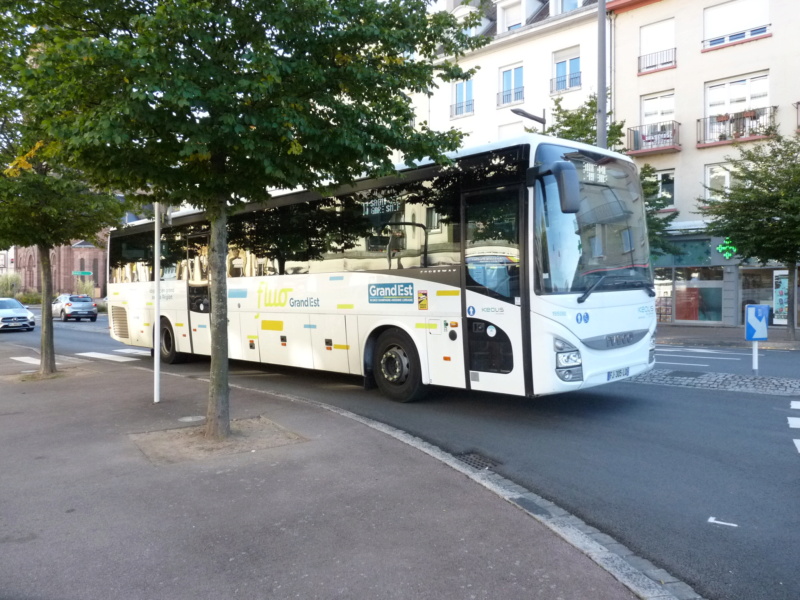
698,293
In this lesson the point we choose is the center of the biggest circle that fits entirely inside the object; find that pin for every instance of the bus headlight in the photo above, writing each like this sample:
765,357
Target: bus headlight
568,361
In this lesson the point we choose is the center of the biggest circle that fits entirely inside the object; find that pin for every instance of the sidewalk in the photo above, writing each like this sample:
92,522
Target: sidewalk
716,335
99,503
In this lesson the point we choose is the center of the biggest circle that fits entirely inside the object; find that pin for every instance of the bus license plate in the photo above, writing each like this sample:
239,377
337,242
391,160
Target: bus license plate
618,374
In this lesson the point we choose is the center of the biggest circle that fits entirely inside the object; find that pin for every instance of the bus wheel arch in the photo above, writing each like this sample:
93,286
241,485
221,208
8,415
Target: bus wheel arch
168,344
395,365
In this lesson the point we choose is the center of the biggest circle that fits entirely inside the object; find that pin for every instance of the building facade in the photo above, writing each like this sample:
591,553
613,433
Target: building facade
81,257
689,78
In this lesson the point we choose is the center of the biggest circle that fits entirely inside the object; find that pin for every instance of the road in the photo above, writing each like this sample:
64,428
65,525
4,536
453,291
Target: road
701,482
771,363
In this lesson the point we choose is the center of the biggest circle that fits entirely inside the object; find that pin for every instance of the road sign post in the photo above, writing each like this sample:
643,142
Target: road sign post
755,328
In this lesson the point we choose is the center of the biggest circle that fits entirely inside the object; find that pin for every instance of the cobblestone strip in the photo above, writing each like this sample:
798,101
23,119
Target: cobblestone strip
776,386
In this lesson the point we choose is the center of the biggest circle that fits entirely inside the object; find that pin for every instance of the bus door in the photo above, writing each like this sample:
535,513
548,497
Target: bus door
198,295
497,348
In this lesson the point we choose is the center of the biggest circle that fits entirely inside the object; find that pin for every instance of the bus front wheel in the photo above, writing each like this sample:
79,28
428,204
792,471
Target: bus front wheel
396,367
167,345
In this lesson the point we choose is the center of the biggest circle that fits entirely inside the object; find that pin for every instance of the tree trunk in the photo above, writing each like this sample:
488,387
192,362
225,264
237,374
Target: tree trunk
218,425
791,318
48,359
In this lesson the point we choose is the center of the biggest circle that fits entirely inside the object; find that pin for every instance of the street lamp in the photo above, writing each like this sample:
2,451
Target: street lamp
527,115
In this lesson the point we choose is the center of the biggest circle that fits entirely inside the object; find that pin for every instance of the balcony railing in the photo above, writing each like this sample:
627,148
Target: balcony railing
462,108
511,96
654,138
730,38
565,82
734,126
797,108
657,60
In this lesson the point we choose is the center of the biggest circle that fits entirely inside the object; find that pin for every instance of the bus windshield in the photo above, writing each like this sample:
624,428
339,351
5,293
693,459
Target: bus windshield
603,247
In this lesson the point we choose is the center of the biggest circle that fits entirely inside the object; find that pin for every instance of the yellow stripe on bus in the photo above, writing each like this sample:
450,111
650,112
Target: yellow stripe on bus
272,325
341,346
427,325
448,292
345,306
179,325
252,337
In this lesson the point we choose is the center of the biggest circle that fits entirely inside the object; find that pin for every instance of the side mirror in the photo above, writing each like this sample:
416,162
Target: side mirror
566,176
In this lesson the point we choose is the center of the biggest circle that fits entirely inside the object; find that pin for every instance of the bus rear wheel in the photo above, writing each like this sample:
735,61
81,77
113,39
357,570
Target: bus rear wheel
396,367
168,346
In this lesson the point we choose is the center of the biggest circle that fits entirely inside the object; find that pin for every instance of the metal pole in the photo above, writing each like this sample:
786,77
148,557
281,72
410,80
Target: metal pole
755,358
157,307
602,136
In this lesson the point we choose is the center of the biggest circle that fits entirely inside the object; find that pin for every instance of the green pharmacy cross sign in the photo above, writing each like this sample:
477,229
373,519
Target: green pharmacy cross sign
727,249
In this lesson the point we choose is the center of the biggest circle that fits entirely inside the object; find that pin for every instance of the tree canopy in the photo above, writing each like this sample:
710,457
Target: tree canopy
760,210
215,102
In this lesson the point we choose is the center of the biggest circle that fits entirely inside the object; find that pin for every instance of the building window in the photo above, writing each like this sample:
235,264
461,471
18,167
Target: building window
462,96
563,6
511,86
736,95
735,21
567,70
719,179
509,16
666,184
432,219
657,45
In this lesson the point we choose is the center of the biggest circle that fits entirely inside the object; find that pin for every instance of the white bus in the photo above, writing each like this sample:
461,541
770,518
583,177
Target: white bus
521,268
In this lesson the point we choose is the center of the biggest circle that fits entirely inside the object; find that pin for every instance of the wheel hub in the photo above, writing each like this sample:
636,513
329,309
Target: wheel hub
395,365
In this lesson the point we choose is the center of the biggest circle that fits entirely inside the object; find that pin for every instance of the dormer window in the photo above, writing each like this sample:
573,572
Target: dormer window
509,15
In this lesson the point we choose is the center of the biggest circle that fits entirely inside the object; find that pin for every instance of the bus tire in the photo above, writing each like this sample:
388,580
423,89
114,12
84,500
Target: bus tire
168,346
396,367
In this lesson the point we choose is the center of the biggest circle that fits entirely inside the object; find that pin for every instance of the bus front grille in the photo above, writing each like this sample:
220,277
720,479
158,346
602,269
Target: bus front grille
119,321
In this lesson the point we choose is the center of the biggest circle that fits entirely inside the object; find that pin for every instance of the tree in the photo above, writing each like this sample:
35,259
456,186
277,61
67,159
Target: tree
213,102
43,203
760,210
46,207
580,125
657,223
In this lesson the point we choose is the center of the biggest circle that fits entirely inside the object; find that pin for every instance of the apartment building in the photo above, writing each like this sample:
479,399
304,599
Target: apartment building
688,77
538,51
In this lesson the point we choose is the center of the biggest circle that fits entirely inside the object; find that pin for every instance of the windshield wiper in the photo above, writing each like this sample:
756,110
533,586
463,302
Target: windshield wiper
591,288
646,285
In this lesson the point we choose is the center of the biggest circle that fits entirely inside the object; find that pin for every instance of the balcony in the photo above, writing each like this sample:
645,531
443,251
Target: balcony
741,126
655,138
511,96
657,61
564,83
462,109
738,37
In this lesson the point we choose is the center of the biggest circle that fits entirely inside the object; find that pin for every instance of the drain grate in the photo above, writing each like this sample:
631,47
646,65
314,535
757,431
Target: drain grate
478,461
686,373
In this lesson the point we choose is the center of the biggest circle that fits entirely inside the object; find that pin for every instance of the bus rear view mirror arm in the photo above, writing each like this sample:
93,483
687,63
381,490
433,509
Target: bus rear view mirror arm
566,179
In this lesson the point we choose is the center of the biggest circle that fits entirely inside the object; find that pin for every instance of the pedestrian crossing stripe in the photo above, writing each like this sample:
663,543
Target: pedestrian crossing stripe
797,443
136,351
111,357
28,360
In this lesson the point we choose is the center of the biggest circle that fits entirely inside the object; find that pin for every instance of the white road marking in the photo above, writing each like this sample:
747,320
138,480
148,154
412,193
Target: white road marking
715,522
110,357
796,404
797,443
705,357
794,422
661,362
27,360
699,350
136,351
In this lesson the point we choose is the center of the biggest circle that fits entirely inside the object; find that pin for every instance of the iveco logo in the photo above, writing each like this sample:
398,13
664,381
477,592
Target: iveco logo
619,339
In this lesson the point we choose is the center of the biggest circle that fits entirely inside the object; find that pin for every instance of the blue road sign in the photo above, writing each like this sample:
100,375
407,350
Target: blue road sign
755,322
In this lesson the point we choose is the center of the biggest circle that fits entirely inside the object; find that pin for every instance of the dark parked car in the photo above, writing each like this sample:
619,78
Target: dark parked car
14,315
75,306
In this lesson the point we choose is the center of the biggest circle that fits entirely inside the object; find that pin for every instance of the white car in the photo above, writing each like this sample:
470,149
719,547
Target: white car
74,306
14,315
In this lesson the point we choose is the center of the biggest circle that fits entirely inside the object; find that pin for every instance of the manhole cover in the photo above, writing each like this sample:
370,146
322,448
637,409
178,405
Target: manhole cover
478,461
686,373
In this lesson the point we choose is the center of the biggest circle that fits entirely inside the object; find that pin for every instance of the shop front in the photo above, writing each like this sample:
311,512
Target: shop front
707,285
